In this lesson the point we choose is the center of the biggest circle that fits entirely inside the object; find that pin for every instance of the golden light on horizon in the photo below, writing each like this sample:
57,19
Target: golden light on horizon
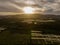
28,10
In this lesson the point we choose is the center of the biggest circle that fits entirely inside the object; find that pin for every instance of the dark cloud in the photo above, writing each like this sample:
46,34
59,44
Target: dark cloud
50,1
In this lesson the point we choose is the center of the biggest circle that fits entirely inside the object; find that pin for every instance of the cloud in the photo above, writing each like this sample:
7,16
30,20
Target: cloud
50,6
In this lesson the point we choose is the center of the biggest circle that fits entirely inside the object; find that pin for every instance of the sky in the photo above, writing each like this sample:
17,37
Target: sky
50,6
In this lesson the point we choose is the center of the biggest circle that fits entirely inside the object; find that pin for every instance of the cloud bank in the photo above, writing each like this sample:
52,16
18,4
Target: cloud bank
50,6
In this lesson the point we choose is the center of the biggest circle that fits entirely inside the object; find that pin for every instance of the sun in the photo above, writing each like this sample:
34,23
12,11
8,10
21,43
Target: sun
28,10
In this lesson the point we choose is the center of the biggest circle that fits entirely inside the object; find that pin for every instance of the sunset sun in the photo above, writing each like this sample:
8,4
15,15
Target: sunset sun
28,10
